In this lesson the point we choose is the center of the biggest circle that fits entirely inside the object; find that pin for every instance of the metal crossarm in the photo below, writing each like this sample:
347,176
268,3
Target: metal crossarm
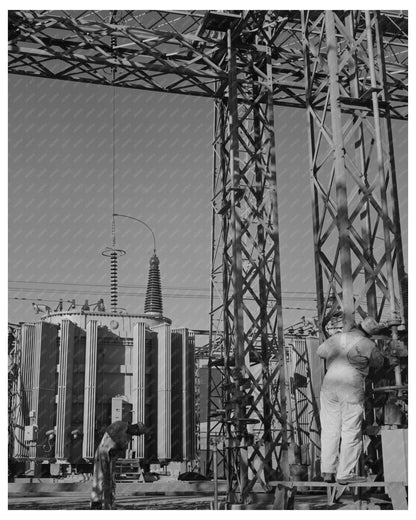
183,51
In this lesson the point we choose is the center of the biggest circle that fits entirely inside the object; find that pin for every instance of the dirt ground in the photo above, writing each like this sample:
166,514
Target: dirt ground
77,501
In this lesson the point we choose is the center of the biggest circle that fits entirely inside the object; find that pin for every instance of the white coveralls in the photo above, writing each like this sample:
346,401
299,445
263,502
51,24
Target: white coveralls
349,356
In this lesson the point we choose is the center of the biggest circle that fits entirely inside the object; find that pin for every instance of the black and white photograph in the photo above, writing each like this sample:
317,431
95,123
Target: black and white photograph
208,257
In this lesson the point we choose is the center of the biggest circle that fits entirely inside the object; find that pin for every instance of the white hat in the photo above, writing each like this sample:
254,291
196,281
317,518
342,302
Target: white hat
370,325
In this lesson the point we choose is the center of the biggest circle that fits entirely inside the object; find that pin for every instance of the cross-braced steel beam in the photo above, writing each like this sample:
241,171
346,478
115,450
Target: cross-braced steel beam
248,269
358,250
303,414
14,390
182,51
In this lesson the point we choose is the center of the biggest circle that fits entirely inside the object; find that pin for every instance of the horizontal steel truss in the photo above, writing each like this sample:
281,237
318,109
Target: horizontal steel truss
183,52
358,249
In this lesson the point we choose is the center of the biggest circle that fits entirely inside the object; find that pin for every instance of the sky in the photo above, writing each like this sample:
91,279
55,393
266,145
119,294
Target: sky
60,198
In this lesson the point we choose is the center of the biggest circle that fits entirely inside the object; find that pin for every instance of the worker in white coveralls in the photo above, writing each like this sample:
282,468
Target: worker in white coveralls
112,446
348,355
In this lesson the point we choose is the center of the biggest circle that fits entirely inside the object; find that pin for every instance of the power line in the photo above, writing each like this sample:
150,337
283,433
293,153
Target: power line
106,291
135,286
286,296
46,300
141,286
130,286
42,300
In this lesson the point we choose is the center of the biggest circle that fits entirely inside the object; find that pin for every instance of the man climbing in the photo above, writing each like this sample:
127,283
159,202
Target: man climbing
112,446
348,355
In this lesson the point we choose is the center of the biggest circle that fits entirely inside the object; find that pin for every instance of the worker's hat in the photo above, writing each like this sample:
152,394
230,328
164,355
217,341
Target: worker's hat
370,325
142,428
137,429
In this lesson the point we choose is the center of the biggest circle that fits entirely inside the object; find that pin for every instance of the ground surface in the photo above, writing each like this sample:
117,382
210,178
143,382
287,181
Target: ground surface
80,501
172,495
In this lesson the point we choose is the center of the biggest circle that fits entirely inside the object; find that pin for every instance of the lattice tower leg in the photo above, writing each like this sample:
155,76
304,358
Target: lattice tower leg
245,201
358,249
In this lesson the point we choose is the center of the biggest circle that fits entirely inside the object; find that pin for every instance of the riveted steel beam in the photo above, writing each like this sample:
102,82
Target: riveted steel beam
182,52
358,252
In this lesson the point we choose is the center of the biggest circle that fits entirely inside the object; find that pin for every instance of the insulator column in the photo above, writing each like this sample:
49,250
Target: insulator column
114,280
113,253
153,303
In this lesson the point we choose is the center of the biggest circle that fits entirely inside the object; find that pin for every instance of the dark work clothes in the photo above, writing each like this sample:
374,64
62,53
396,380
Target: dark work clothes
118,433
112,446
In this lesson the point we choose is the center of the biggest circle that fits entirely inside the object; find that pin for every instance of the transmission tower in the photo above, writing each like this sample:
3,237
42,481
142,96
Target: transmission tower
348,71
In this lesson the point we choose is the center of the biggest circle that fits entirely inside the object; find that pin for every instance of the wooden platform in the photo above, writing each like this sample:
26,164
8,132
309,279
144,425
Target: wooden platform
396,491
299,483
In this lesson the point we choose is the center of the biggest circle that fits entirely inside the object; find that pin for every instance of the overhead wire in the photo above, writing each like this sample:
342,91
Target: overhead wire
143,294
106,291
169,292
143,286
287,295
165,293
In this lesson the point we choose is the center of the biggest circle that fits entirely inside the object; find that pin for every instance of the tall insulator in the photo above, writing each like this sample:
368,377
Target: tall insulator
113,254
113,280
153,303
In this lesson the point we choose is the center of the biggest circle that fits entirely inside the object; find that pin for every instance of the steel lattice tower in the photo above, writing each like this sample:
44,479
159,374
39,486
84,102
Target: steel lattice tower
348,71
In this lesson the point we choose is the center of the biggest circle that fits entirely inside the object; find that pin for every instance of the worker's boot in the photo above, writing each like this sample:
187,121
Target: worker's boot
328,477
350,479
96,505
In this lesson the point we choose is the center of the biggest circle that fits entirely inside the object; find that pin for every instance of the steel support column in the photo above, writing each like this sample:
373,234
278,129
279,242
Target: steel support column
245,204
391,163
218,332
340,177
355,211
361,160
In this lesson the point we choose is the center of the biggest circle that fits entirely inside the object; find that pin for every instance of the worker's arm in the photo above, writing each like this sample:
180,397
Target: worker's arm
378,364
376,359
365,355
367,349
